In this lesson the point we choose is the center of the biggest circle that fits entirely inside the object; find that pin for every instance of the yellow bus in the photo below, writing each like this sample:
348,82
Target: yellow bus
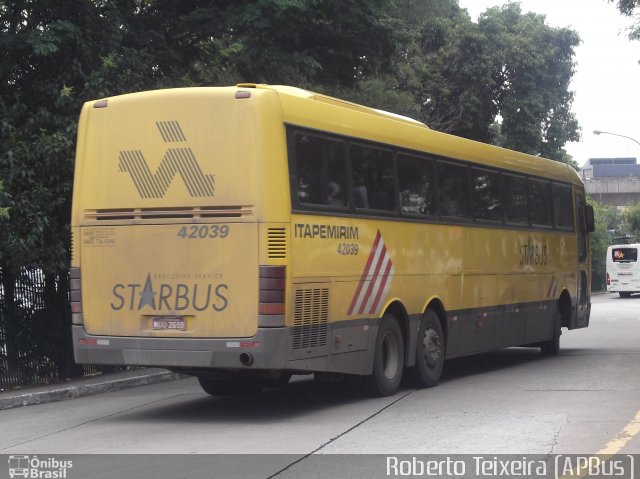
243,234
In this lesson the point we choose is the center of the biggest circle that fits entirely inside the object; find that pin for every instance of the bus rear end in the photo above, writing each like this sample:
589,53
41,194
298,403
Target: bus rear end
623,269
167,268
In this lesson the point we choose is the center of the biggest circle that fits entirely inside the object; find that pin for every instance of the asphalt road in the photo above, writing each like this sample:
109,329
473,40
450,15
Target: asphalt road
516,401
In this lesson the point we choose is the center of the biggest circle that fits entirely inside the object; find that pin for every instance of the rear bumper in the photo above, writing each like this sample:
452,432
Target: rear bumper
268,350
623,288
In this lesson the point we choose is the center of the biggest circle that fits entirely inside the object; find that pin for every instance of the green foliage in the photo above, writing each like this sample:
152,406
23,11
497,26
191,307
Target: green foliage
607,219
40,68
631,217
513,72
305,42
4,212
630,8
532,74
504,80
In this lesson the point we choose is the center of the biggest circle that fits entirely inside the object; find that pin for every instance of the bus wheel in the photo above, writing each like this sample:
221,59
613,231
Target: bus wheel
430,351
228,387
388,360
552,347
624,294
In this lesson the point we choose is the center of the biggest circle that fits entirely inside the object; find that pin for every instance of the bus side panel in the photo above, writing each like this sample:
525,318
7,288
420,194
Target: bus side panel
499,287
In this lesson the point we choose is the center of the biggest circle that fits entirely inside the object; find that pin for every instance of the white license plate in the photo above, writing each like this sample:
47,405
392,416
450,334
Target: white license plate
169,322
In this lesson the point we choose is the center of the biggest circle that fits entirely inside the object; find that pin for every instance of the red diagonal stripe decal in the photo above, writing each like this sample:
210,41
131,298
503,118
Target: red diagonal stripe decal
374,281
381,287
365,273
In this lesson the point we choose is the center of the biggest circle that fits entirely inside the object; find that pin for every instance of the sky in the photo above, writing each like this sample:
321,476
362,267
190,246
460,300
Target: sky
606,83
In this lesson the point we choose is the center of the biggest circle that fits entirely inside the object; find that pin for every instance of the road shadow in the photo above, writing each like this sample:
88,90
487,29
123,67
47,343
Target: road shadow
300,397
489,362
303,395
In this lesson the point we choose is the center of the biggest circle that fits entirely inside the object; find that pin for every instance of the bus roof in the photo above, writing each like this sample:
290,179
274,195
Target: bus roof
313,110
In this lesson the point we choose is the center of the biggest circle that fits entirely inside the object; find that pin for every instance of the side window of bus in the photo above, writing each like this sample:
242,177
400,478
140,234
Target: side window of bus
487,200
453,190
515,200
416,185
373,178
562,207
321,170
540,203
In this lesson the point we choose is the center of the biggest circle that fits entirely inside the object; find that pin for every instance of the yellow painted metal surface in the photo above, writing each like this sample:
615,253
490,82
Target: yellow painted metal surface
166,205
464,267
133,274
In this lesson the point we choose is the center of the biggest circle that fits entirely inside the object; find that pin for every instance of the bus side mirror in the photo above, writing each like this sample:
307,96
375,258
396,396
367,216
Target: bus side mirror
589,219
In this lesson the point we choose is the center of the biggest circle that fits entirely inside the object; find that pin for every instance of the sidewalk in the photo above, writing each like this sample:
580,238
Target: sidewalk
85,387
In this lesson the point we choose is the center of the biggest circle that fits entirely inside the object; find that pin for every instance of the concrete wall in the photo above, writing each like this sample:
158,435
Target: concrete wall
614,191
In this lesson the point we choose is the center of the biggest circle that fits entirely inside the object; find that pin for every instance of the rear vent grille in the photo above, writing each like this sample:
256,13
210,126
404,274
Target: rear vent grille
311,315
168,213
277,243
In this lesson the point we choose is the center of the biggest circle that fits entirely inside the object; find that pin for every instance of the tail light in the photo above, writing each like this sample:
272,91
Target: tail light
608,280
271,296
76,296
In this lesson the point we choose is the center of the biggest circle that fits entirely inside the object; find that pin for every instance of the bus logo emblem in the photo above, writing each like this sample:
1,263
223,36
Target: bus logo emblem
375,280
175,161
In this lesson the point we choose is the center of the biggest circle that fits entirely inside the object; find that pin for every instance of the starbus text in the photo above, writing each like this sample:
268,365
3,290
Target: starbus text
178,297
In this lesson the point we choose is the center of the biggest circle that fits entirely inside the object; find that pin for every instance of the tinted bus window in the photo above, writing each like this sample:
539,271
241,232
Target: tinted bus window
417,185
373,178
624,255
515,200
321,170
453,188
562,207
487,203
540,203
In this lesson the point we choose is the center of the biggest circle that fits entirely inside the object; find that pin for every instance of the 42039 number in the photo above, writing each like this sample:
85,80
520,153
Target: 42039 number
348,249
203,231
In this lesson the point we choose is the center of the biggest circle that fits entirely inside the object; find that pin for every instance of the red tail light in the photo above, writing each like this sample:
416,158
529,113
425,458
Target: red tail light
271,292
608,280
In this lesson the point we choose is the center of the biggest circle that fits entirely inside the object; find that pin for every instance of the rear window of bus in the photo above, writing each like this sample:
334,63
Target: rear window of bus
624,255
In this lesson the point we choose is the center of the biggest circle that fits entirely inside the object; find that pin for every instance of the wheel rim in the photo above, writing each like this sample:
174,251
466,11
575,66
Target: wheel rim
431,348
390,353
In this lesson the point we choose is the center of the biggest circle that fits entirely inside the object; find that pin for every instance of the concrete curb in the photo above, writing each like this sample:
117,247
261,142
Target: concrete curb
55,393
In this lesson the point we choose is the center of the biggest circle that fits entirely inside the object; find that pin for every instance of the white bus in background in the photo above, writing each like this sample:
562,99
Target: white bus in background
623,269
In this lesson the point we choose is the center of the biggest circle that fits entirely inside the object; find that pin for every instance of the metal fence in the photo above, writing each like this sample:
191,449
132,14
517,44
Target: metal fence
35,330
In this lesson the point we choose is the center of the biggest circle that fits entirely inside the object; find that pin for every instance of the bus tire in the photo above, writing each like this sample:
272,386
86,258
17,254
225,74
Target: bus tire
227,387
430,351
552,347
388,358
624,294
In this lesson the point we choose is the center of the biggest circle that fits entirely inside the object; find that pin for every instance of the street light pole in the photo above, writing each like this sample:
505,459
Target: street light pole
600,132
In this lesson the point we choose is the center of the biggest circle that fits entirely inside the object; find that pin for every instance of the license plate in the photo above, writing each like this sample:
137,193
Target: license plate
169,322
